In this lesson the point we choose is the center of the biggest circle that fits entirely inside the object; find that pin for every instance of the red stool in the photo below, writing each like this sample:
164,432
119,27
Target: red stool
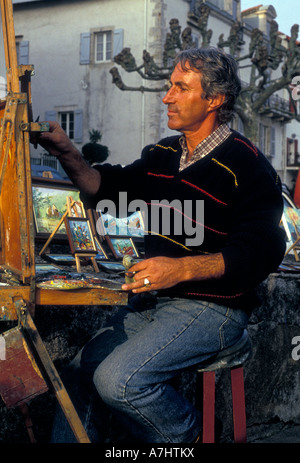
232,358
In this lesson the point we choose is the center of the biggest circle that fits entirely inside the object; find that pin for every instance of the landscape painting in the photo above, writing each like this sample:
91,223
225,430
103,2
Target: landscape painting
49,205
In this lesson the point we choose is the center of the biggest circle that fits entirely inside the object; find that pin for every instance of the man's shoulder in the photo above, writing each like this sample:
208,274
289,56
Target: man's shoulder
244,145
167,142
244,151
245,157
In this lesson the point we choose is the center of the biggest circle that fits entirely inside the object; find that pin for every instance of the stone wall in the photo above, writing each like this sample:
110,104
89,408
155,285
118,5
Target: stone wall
272,377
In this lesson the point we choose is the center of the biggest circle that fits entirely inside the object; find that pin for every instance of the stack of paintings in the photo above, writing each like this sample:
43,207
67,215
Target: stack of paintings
59,212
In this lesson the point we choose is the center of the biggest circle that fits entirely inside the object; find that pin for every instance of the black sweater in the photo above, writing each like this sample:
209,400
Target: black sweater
242,211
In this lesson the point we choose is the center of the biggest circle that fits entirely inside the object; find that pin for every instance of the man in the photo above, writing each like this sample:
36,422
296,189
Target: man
189,301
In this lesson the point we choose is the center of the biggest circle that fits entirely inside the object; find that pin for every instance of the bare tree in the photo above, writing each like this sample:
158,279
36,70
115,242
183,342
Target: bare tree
258,96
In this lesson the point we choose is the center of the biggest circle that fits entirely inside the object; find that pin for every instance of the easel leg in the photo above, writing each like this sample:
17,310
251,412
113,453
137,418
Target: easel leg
95,264
77,260
53,376
91,256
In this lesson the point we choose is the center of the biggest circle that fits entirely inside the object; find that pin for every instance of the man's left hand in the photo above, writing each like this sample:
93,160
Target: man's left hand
154,274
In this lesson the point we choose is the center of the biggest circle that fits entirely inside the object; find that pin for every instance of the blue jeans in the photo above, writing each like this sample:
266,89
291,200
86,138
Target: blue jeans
131,361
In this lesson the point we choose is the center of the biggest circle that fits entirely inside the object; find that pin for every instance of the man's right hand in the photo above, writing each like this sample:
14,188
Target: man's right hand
56,141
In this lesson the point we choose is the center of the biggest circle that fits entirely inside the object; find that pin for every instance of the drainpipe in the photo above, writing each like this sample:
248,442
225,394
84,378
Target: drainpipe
145,45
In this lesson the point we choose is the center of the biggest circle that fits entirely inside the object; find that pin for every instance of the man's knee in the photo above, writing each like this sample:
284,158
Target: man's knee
109,383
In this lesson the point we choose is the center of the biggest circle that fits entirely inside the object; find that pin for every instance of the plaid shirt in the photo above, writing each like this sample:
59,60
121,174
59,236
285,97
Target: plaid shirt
205,146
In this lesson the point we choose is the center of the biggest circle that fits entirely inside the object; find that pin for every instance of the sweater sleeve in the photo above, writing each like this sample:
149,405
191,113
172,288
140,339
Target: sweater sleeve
117,180
256,244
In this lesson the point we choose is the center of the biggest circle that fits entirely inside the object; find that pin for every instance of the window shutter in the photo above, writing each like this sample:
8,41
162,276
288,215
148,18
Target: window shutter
118,41
85,43
78,125
51,115
273,142
24,52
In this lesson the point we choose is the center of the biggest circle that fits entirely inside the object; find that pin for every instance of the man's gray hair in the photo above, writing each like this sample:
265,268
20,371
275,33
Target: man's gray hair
219,75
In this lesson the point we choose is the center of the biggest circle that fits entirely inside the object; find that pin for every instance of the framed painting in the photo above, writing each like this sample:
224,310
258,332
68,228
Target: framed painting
101,254
291,223
80,236
122,246
62,259
45,268
49,205
131,226
112,267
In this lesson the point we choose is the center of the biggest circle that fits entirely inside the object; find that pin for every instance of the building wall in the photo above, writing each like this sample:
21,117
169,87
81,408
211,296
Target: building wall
62,83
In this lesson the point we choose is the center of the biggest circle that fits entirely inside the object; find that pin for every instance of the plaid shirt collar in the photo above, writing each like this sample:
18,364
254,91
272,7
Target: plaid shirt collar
205,146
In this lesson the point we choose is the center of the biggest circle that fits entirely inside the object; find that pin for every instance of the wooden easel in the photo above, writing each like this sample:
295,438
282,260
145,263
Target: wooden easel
17,245
85,255
53,233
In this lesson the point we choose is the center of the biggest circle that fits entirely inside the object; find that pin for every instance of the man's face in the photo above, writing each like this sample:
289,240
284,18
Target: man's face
186,109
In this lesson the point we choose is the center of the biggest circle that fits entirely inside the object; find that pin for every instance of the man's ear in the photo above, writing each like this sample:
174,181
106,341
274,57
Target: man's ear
216,101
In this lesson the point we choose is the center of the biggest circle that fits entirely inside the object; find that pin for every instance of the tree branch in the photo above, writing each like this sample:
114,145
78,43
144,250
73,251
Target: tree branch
117,80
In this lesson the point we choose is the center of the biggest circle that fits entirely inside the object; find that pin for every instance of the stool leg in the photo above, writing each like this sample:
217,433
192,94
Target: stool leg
238,404
28,422
208,407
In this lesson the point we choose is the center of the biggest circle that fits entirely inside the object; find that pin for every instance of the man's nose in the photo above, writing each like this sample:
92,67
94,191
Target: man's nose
169,97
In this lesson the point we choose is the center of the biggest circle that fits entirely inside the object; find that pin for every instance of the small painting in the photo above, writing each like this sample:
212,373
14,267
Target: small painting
122,247
80,236
62,259
132,226
45,268
101,254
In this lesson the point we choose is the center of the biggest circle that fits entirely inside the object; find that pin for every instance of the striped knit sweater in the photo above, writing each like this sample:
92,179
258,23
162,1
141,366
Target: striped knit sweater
242,210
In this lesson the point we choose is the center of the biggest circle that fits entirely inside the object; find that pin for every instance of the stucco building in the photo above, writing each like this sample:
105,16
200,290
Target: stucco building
72,45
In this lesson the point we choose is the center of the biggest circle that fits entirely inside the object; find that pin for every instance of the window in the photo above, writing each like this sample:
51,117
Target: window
103,46
263,137
66,120
70,120
100,45
292,151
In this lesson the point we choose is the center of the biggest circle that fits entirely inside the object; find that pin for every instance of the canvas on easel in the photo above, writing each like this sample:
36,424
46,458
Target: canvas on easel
75,208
